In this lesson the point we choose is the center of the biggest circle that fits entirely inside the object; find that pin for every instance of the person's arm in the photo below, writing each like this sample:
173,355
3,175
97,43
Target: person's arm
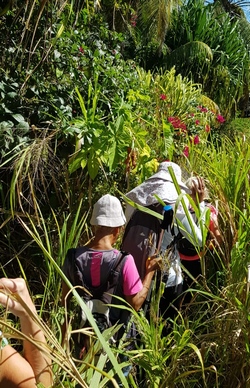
136,300
66,296
15,297
216,239
15,371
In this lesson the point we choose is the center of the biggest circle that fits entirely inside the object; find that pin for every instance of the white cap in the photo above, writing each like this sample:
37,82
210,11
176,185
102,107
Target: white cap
108,211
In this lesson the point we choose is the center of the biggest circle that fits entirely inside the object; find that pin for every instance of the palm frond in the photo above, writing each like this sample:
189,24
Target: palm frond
184,57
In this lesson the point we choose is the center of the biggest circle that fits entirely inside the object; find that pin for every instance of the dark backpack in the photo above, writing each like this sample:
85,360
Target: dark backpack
141,236
96,298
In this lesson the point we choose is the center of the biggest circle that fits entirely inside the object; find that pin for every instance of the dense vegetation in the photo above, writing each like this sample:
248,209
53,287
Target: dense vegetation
93,96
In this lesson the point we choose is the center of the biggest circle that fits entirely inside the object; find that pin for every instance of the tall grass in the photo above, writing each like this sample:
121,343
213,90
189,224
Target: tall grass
54,245
209,343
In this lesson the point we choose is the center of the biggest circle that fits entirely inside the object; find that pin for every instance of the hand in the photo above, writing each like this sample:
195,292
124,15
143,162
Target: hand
15,296
153,263
198,190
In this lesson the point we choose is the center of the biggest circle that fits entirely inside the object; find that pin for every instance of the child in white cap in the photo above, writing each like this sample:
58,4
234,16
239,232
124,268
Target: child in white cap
90,264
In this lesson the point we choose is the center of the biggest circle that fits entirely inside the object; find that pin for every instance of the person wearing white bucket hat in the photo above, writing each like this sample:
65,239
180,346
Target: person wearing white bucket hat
90,265
144,236
108,211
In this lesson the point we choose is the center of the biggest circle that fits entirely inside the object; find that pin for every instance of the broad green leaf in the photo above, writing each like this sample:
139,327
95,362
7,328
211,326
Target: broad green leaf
93,166
18,117
23,125
111,155
77,161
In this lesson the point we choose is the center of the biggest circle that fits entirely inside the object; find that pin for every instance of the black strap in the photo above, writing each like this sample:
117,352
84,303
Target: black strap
115,272
118,260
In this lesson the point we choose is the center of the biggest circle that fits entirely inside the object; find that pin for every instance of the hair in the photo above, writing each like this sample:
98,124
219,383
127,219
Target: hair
104,230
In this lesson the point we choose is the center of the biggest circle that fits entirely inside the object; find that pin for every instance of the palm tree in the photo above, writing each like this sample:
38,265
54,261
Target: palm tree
185,34
233,8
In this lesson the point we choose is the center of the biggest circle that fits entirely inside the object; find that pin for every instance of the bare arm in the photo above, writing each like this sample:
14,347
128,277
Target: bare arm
65,302
15,371
137,300
216,239
15,297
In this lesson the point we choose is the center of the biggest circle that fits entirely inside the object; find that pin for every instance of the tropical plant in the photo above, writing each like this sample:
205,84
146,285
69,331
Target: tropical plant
199,23
191,44
78,120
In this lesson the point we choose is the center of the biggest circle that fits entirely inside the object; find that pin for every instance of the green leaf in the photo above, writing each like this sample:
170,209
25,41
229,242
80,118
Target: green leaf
140,207
19,118
77,161
111,157
5,125
84,163
24,126
12,94
82,104
7,110
59,73
93,166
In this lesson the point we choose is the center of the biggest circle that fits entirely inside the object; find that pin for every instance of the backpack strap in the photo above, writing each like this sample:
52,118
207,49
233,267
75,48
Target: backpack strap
114,274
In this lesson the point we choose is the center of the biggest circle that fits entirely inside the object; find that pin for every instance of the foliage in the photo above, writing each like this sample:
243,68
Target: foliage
240,126
229,63
209,342
78,119
190,42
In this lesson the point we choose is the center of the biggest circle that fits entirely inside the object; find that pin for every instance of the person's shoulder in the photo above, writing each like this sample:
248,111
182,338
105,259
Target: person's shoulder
128,261
126,255
73,253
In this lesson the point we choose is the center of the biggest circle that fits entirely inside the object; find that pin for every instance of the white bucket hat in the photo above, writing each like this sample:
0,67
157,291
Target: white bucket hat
160,184
108,211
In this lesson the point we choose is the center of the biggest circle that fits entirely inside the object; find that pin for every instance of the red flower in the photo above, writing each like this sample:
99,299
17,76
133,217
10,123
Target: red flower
220,119
81,50
186,151
207,128
196,139
201,109
197,122
133,20
163,97
177,123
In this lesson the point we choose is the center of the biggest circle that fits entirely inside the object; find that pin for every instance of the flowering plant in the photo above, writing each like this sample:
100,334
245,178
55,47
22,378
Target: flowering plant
193,128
